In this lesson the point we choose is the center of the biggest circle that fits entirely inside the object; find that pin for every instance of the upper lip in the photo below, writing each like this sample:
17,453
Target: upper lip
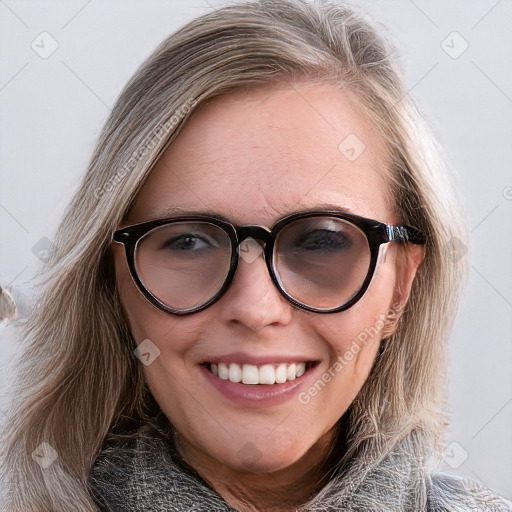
244,358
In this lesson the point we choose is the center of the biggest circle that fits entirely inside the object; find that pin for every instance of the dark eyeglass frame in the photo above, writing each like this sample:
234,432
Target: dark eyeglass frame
376,232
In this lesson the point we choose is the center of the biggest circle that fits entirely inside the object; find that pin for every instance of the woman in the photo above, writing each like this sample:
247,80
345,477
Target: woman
248,304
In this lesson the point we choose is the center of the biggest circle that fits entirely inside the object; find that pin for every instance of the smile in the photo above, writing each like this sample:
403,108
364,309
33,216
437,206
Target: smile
251,374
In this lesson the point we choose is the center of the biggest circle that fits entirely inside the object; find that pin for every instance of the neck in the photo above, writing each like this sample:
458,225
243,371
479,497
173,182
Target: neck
284,490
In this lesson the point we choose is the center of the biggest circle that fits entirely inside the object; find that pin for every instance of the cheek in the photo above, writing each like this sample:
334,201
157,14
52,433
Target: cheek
356,339
353,338
171,334
171,342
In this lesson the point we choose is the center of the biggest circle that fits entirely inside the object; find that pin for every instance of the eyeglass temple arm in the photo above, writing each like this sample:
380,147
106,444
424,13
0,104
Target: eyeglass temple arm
402,234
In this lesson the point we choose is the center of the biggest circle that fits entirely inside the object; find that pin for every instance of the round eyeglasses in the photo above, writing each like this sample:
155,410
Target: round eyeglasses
320,260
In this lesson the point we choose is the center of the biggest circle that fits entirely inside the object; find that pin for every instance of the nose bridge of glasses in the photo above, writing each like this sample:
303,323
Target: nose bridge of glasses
259,233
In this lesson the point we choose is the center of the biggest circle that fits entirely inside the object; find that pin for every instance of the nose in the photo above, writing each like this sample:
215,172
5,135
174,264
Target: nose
252,299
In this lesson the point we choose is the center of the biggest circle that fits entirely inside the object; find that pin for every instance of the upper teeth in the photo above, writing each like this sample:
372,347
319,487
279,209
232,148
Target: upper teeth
252,374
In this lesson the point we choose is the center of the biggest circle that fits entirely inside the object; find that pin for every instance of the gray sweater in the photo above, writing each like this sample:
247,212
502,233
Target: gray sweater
143,472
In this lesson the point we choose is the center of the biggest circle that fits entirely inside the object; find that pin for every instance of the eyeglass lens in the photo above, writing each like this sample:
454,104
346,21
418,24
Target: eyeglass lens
321,262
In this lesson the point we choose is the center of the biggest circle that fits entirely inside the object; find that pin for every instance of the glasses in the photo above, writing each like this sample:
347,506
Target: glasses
320,260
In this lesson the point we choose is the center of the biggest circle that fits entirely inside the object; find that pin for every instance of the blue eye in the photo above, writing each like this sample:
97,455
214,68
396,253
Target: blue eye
323,240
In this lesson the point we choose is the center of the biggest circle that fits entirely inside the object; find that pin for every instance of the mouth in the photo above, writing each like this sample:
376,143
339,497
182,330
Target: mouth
264,374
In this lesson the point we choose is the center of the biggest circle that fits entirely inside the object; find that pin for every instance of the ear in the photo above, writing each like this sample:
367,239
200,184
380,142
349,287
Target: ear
408,260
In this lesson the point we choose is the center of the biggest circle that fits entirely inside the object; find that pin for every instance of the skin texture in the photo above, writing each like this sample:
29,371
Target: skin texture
255,156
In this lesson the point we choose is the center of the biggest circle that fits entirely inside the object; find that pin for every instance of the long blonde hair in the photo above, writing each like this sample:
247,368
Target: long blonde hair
78,376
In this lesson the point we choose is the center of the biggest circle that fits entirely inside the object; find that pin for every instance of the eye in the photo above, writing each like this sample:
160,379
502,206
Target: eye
323,240
188,242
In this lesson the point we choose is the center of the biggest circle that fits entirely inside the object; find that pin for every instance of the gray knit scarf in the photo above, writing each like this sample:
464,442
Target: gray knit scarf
144,472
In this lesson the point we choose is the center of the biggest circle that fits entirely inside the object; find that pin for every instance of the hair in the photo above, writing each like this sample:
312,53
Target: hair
78,378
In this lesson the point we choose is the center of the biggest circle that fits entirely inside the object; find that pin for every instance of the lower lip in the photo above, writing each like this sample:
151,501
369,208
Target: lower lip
258,395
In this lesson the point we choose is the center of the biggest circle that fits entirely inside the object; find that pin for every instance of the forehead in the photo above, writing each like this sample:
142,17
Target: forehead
254,156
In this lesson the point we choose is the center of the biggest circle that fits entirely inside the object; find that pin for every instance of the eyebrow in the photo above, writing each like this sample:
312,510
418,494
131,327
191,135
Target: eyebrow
174,211
178,211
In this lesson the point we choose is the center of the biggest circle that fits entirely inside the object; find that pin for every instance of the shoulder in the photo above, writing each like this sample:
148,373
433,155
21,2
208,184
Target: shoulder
112,480
127,465
451,493
142,471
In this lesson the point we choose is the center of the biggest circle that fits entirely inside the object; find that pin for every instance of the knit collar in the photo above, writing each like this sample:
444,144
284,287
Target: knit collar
144,471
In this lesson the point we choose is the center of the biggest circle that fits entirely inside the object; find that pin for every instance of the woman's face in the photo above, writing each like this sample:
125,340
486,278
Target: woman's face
254,157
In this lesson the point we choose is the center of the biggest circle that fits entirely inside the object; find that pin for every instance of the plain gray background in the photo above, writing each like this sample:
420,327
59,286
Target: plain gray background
52,108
